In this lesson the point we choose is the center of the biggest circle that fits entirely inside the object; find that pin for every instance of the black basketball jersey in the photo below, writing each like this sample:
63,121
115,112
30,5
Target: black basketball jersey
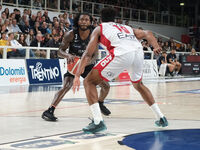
77,45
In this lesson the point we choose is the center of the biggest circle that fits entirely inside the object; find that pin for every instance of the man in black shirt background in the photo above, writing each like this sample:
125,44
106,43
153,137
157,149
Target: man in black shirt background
172,59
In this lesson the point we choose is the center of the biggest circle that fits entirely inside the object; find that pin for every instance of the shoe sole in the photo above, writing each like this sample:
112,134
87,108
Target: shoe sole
105,113
47,119
99,130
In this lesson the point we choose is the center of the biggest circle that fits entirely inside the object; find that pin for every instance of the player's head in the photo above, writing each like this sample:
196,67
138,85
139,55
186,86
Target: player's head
108,14
83,21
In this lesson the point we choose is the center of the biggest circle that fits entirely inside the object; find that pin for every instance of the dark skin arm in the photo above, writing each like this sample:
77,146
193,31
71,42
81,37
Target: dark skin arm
145,34
68,37
87,56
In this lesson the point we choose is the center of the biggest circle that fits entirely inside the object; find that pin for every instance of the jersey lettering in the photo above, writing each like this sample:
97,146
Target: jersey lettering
120,28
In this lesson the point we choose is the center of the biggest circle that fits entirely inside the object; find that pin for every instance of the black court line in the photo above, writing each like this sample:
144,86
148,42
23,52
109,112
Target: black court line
36,138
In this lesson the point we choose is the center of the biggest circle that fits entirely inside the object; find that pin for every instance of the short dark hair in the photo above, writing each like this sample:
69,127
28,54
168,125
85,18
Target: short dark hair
108,14
76,19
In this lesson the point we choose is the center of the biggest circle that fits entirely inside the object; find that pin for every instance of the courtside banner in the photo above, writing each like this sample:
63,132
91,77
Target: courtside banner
63,66
150,69
43,71
13,72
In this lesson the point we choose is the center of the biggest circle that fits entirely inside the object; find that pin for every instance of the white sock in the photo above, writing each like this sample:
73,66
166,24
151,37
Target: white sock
156,111
96,113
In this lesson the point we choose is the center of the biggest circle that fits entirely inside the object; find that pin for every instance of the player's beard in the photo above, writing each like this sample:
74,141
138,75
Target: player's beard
84,29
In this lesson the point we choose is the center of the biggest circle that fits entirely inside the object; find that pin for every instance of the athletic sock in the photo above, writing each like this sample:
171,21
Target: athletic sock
156,111
96,113
51,109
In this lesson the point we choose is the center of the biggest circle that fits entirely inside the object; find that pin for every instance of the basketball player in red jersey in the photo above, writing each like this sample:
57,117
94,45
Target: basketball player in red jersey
76,40
126,53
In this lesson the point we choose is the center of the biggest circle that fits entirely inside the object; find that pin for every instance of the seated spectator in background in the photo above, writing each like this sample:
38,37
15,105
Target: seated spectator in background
5,42
3,29
71,21
36,27
20,51
26,28
164,66
30,37
49,28
32,21
188,47
38,42
193,52
15,27
56,26
47,19
22,40
182,48
166,46
3,17
146,48
54,43
43,28
172,59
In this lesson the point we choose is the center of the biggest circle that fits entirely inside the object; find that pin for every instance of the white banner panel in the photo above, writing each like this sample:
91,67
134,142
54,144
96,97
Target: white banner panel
63,66
13,72
150,69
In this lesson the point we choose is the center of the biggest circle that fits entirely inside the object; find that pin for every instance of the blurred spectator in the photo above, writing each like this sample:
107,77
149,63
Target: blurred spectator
47,19
32,21
164,66
3,28
172,59
49,29
15,27
146,48
71,21
17,14
4,42
0,8
66,27
6,10
30,37
36,27
43,28
182,48
188,47
38,42
3,17
26,28
20,51
22,40
193,52
54,43
56,26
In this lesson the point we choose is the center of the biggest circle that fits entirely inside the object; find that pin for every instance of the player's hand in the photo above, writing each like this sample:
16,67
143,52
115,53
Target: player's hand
157,50
76,84
70,59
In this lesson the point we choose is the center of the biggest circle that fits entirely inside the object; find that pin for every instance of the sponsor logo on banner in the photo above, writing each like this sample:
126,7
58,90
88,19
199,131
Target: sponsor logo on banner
150,69
13,72
44,71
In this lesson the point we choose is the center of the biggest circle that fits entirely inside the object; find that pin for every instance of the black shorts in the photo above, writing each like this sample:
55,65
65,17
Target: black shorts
84,74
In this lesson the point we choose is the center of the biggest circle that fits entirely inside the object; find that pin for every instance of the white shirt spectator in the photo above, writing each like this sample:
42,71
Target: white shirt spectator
15,28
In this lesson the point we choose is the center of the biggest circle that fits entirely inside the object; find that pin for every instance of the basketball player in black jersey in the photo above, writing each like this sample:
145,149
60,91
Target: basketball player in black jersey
76,40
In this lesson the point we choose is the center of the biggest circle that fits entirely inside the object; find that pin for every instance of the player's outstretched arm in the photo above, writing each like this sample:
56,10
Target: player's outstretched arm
68,37
148,35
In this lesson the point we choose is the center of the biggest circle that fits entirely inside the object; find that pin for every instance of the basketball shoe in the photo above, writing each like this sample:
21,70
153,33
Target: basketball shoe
162,122
93,128
104,110
49,116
